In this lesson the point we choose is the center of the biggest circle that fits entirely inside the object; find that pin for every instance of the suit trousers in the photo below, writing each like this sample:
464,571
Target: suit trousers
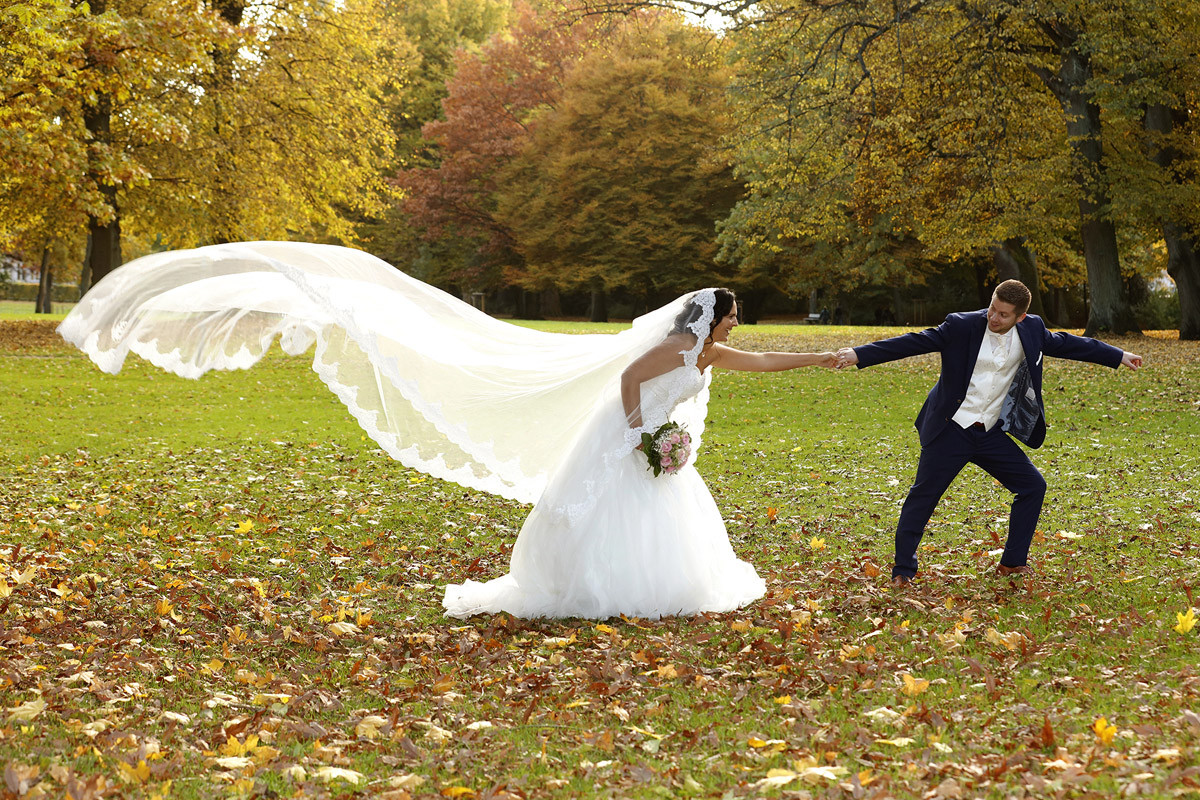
942,460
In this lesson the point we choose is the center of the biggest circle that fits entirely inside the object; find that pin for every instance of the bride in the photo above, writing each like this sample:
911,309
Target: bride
546,418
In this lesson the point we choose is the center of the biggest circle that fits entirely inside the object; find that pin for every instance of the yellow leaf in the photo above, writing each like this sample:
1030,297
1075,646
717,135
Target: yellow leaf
457,791
1105,731
913,686
816,774
5,589
245,526
776,777
344,628
740,625
1185,622
783,700
903,741
816,544
668,671
772,745
560,641
1010,641
772,514
233,747
329,774
25,577
368,727
135,774
27,711
605,628
163,607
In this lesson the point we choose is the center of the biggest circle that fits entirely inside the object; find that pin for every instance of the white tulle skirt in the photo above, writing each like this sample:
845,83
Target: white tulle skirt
635,544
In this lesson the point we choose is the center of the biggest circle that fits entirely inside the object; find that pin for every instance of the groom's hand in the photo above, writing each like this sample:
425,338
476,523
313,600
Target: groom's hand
846,357
1131,360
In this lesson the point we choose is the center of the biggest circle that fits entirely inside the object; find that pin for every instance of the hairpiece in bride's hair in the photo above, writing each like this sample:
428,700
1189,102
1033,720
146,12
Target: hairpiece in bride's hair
697,318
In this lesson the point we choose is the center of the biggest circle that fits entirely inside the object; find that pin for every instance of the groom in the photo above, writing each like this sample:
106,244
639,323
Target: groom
991,384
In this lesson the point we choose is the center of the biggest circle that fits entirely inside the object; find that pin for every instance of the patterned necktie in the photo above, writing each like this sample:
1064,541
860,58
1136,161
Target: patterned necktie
999,351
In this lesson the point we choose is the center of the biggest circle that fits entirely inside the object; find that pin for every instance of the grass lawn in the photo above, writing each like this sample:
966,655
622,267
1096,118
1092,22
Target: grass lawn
221,588
23,310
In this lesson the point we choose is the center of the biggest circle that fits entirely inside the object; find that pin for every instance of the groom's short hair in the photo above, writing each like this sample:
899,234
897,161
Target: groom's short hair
1016,294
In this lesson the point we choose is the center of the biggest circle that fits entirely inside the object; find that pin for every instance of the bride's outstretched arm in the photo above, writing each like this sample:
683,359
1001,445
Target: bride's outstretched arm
654,362
730,358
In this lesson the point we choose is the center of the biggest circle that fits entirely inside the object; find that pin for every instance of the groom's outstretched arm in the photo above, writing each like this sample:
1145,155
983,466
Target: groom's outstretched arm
931,340
1079,348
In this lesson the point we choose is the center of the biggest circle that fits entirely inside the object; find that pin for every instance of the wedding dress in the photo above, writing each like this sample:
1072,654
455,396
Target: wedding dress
449,391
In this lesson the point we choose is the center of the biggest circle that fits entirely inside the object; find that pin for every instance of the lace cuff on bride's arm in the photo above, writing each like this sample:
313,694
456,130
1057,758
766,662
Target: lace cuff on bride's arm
633,436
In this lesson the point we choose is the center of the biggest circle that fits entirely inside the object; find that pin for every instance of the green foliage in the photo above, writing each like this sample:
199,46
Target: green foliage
62,292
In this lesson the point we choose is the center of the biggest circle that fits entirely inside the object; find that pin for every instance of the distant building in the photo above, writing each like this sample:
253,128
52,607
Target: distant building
14,270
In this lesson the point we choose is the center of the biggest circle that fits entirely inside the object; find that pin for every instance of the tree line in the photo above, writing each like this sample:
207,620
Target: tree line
595,147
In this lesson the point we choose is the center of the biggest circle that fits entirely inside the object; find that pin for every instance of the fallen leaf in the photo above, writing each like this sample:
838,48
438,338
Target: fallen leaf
27,711
330,774
913,686
1105,731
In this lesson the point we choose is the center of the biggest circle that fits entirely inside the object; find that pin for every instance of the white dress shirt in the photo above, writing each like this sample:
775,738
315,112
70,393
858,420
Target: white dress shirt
999,357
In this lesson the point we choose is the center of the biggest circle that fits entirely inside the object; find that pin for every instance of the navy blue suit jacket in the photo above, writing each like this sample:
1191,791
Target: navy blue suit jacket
958,340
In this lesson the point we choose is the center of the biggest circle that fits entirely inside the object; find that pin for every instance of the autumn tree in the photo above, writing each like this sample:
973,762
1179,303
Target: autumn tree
831,71
196,124
490,102
83,82
437,30
287,129
621,183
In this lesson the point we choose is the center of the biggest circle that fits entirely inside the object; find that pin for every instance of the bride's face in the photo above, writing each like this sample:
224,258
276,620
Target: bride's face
727,324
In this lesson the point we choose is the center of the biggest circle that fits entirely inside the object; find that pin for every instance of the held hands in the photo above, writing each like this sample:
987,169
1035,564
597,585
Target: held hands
1131,360
826,360
846,357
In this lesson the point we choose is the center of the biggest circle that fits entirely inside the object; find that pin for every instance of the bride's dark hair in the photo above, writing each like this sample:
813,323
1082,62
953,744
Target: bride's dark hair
692,311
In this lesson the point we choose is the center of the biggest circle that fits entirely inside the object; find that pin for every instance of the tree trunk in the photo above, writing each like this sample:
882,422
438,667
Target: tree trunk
1109,308
43,303
1015,261
528,305
551,304
223,213
982,288
103,229
1183,250
85,274
105,255
598,312
751,305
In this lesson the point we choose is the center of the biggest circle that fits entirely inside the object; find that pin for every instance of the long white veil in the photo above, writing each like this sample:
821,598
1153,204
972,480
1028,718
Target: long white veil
440,386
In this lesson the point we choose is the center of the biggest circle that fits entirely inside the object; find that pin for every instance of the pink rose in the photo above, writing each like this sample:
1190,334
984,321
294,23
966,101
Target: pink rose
665,448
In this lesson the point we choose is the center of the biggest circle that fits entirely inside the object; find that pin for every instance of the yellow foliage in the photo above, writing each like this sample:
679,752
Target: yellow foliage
1105,731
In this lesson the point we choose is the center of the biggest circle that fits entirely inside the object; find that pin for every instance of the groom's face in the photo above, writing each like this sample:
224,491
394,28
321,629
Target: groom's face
1001,316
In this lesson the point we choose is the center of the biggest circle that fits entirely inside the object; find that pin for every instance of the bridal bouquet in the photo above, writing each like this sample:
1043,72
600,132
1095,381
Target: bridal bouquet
668,448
